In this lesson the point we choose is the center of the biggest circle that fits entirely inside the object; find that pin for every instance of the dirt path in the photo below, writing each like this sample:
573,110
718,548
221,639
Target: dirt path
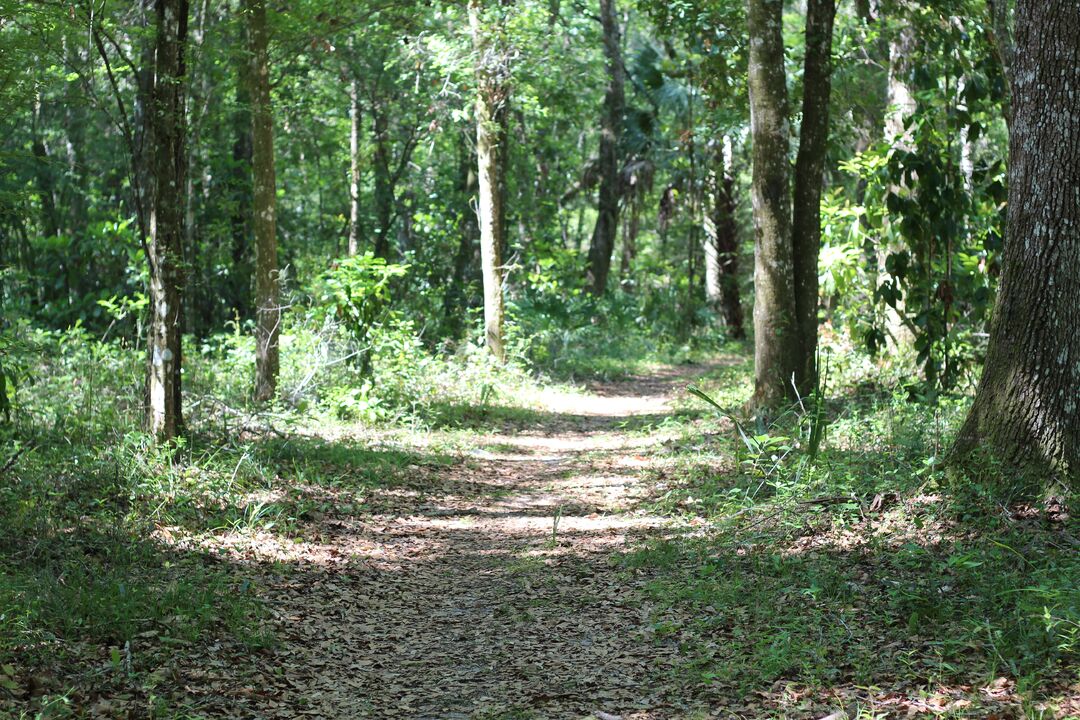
501,601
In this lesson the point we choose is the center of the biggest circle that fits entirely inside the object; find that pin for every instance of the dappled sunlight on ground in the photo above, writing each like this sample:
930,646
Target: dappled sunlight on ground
494,573
482,582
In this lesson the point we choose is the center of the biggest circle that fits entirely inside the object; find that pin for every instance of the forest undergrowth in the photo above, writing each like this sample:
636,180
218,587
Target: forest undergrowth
822,561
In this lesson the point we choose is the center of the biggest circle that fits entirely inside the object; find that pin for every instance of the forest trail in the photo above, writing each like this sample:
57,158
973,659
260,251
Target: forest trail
493,596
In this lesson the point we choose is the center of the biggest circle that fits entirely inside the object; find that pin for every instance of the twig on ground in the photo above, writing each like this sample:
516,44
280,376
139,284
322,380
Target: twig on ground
15,458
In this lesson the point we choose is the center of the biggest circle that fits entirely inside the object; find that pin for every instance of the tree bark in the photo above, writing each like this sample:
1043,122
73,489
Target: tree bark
1002,39
354,167
775,337
492,75
631,227
809,177
1026,413
384,190
164,416
607,219
267,291
465,257
240,191
722,248
75,122
44,178
900,103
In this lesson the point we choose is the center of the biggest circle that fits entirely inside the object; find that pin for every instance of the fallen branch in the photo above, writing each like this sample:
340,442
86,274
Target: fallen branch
15,458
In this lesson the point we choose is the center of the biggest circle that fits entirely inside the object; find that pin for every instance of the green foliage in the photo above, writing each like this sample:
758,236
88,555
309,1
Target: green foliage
824,545
931,223
13,356
356,291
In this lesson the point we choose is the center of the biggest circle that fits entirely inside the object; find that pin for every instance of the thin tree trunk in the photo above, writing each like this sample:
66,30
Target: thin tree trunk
630,232
142,151
1002,38
48,193
466,251
74,197
688,313
240,192
711,254
164,416
809,176
900,105
1026,413
900,102
384,192
492,94
267,291
44,177
776,347
607,219
722,247
200,298
354,167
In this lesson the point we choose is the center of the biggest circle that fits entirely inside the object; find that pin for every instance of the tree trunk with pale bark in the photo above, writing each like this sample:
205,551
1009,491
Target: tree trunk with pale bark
492,76
354,167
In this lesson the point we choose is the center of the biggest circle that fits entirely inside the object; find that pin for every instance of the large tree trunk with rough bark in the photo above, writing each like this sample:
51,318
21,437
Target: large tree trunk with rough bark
1026,413
492,76
164,416
267,302
775,339
809,176
607,219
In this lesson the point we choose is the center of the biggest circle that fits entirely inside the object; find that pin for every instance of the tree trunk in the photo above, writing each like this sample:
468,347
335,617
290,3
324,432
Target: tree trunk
492,74
1002,39
75,122
631,228
384,191
45,178
240,191
267,302
1026,413
900,102
200,296
607,219
776,348
711,254
809,176
465,257
164,416
722,247
354,167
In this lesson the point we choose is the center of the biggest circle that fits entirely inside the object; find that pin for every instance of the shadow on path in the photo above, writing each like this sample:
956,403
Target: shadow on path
468,603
